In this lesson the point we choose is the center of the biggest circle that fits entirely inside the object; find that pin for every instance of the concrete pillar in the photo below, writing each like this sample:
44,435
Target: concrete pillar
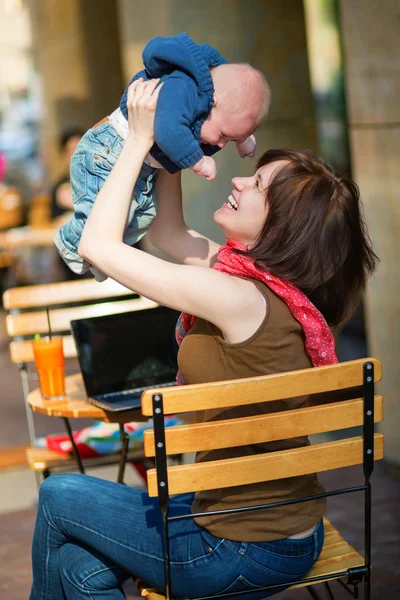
76,49
268,34
371,37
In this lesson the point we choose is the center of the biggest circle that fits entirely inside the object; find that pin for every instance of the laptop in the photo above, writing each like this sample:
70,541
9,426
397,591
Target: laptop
122,355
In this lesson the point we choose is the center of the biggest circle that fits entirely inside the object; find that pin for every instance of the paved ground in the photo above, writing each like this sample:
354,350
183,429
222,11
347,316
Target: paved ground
347,513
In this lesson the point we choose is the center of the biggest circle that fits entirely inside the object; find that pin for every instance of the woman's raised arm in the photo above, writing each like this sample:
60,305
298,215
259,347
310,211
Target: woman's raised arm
169,231
228,302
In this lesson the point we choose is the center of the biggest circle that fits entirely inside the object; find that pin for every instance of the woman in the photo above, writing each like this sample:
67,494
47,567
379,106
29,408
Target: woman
296,226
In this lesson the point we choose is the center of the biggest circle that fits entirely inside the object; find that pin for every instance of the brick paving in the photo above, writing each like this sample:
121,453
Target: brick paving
346,512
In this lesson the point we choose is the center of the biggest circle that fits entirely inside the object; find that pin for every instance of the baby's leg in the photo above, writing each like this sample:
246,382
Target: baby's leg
92,162
143,207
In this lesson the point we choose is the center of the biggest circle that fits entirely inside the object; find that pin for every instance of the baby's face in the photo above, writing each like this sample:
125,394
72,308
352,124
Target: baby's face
221,127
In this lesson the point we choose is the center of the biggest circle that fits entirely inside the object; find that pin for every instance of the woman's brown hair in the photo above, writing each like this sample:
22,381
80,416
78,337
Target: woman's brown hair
314,235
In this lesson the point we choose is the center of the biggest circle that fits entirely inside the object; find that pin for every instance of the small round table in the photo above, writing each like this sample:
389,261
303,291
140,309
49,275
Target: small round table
76,405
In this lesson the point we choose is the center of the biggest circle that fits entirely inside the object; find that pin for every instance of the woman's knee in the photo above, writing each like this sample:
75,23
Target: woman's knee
59,488
85,569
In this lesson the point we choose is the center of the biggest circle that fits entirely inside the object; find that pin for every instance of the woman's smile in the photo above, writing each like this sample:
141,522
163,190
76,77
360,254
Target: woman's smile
232,203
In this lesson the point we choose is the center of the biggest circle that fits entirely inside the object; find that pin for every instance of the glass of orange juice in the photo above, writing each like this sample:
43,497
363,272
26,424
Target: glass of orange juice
50,365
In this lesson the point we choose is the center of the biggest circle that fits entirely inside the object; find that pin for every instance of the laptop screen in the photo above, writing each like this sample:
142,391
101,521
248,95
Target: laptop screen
124,351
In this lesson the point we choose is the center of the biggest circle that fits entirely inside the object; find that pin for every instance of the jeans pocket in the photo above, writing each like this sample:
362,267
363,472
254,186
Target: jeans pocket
240,584
78,177
103,161
210,542
101,165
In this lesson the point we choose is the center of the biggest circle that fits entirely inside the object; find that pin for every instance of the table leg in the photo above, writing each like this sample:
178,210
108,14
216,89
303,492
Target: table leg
124,452
74,448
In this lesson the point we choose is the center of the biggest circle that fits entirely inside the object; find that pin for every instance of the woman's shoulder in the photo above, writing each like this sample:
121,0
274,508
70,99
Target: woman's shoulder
279,314
247,312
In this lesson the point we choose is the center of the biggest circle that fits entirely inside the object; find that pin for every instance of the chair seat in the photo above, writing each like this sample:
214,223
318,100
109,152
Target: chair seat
336,556
6,259
42,459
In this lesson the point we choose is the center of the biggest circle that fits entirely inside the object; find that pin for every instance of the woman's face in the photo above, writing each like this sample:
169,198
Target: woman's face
243,215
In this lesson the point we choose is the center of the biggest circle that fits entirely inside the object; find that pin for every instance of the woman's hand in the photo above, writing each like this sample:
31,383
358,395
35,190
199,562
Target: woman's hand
141,104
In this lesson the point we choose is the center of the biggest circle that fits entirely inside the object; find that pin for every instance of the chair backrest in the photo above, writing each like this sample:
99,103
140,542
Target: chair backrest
39,213
11,208
32,308
321,415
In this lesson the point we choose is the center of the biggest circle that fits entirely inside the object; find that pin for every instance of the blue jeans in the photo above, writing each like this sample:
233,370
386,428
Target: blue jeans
91,163
91,535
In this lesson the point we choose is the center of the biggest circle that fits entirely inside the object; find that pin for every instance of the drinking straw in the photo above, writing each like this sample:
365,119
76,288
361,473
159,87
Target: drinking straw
48,322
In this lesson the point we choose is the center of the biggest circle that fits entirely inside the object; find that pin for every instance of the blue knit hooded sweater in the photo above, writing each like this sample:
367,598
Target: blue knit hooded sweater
185,100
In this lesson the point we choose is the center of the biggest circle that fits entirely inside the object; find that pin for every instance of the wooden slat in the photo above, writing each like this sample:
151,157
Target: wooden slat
60,318
335,550
51,294
148,592
39,459
334,565
12,456
265,467
336,556
28,237
263,428
252,390
21,352
328,527
7,259
11,208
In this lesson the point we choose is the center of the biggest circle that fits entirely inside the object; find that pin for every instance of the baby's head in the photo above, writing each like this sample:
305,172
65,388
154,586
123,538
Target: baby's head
240,102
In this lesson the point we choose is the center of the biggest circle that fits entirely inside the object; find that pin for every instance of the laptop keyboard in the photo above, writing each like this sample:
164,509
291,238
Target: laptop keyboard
136,391
139,390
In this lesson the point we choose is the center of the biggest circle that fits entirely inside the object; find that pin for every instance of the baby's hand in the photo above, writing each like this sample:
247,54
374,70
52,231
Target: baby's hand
205,167
247,148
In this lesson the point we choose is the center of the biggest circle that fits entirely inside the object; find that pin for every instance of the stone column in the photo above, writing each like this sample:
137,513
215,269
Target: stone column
76,48
266,34
371,37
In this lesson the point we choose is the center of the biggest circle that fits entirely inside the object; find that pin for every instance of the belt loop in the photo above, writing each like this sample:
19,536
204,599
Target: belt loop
316,543
100,122
243,548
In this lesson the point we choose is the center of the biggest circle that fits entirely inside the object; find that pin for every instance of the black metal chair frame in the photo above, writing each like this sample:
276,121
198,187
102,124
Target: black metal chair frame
354,575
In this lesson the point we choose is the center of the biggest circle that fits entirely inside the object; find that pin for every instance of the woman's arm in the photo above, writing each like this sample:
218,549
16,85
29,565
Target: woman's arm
228,302
169,231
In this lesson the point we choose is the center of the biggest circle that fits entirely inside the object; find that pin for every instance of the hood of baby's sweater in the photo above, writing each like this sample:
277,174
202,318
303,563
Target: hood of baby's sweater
163,55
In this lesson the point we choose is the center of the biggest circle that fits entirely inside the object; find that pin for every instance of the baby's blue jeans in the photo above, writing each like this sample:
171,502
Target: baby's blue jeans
91,535
94,157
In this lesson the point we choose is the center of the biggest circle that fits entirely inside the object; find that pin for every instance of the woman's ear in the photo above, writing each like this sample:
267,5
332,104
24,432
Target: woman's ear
215,100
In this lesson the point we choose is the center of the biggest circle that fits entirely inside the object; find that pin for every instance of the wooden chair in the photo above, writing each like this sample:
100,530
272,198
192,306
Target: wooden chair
30,310
39,213
7,261
11,208
324,413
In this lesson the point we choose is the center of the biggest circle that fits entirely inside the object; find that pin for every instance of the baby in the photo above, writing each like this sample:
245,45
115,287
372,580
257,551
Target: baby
204,103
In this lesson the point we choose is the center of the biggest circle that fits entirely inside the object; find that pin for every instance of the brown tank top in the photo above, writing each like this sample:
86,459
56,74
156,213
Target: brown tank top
277,346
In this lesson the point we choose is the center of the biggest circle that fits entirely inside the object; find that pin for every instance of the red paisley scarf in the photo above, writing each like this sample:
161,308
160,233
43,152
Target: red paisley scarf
319,341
